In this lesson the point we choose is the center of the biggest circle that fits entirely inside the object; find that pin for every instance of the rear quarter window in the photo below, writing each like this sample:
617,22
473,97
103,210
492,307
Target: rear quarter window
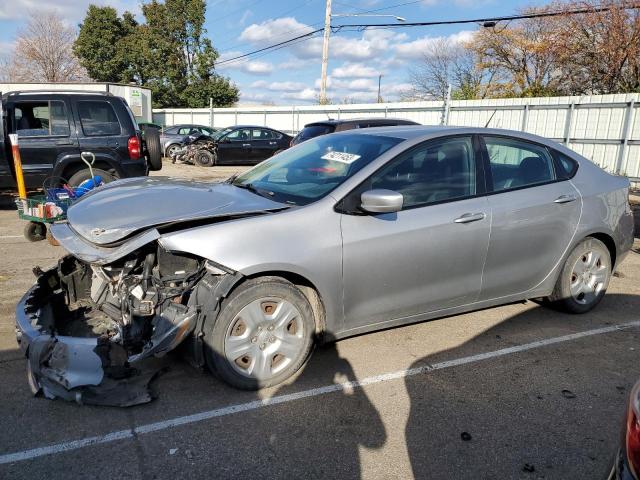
98,118
566,167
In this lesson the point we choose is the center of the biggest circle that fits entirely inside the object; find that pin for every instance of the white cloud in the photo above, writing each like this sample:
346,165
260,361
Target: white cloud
279,86
417,48
307,94
354,70
71,10
252,67
270,30
245,16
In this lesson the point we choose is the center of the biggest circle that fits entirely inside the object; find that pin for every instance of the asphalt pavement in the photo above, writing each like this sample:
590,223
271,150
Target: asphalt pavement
514,392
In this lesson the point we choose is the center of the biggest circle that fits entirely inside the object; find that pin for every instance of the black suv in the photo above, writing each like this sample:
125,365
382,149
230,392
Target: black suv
54,127
325,127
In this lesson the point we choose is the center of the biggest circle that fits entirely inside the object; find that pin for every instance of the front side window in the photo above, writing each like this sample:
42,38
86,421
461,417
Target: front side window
433,172
98,118
38,119
240,135
310,170
516,163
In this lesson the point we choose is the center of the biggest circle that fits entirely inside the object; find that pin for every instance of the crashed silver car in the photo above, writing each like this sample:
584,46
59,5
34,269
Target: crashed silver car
340,235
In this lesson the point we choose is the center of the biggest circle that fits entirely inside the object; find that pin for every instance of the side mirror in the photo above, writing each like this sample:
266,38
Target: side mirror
381,201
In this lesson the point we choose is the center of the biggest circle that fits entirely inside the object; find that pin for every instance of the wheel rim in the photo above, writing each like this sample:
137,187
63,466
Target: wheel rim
203,159
171,150
264,338
589,277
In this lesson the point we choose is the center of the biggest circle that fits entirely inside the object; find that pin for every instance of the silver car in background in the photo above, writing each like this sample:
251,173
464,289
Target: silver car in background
343,234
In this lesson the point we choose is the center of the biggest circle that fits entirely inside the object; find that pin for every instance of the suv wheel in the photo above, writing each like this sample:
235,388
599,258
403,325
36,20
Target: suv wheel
82,175
154,149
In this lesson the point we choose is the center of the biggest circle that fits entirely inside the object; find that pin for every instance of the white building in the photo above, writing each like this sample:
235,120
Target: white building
138,98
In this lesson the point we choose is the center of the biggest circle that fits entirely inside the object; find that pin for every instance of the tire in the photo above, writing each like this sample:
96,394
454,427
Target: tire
154,149
270,347
82,175
204,158
170,150
584,278
35,231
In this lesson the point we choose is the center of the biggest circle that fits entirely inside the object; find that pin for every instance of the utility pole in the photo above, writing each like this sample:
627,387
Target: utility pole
325,54
379,81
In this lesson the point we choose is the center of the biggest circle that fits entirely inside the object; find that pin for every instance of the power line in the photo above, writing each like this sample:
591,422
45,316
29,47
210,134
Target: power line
481,21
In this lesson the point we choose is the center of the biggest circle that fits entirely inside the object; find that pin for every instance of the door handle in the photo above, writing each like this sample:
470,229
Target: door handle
64,142
470,217
272,143
565,199
246,144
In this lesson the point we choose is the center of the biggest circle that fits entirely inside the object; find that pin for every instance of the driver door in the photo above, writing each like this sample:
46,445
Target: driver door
429,256
235,147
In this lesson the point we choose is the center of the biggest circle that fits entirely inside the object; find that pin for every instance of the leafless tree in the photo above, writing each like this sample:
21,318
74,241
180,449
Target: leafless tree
446,62
43,52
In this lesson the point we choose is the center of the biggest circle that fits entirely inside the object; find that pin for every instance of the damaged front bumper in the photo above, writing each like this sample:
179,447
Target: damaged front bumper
84,369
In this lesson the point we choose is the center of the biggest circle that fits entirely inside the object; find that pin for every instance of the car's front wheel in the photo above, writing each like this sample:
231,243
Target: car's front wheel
584,278
171,150
263,334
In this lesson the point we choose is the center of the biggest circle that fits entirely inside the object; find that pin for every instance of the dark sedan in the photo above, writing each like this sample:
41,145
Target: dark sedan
248,144
627,461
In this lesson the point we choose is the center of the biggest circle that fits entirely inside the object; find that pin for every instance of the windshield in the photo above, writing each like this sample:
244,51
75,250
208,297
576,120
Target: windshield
307,172
221,133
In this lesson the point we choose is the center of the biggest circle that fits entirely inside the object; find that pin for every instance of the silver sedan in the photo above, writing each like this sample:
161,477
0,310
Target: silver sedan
343,234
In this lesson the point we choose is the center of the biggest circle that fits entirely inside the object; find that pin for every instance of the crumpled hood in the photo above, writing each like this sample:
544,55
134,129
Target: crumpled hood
115,211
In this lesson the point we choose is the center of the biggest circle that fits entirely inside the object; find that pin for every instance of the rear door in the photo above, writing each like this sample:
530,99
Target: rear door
46,135
101,130
535,215
263,144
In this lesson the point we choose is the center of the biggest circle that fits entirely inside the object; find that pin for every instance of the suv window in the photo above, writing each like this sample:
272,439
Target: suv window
315,131
433,172
516,163
261,134
37,119
98,118
186,131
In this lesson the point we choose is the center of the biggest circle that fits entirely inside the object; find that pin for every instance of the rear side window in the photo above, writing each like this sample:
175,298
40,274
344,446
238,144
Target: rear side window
98,118
515,163
39,119
261,134
315,131
567,167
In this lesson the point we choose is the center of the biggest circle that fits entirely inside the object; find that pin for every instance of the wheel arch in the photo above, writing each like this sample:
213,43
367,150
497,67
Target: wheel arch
609,242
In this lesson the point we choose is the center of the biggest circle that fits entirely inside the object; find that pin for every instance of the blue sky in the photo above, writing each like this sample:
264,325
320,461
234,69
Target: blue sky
291,75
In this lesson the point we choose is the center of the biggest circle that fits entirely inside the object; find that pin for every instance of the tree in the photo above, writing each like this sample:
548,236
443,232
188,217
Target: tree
523,53
447,63
44,52
600,51
167,53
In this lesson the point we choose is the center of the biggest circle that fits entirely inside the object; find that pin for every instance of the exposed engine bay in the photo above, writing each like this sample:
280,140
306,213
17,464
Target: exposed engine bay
96,323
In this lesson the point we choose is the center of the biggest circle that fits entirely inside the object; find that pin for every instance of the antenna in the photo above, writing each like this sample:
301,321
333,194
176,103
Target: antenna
490,118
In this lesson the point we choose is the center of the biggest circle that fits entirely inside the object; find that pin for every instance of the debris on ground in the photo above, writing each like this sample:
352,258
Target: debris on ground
527,467
568,394
465,436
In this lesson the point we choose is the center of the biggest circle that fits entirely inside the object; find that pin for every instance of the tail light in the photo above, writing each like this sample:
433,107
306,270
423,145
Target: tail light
633,430
134,147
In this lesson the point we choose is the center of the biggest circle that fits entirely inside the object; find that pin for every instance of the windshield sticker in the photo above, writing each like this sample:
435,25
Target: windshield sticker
341,157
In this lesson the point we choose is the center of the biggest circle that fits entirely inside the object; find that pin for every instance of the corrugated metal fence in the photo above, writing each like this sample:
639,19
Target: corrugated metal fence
603,128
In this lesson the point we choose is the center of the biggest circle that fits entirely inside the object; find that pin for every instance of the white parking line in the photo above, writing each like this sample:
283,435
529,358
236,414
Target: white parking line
11,236
314,392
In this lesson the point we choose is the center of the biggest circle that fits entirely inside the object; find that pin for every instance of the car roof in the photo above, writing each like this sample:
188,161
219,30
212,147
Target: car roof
410,132
182,125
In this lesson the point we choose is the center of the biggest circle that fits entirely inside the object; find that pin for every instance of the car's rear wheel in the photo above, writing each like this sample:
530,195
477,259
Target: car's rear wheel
263,334
584,278
84,174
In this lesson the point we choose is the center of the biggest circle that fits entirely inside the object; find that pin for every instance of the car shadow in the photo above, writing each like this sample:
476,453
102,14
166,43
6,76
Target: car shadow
528,415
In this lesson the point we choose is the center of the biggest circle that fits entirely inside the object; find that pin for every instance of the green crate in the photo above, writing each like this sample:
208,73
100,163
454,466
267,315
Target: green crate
38,209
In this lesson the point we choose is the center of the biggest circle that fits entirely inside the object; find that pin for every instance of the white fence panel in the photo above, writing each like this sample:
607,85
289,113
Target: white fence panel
603,128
